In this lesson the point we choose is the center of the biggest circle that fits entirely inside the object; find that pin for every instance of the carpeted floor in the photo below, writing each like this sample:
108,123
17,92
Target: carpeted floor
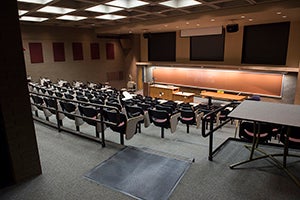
65,159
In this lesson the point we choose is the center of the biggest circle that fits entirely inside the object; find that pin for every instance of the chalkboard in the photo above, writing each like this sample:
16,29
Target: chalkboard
269,84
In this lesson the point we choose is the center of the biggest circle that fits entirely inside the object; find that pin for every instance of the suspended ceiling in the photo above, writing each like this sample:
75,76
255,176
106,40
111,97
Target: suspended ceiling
157,15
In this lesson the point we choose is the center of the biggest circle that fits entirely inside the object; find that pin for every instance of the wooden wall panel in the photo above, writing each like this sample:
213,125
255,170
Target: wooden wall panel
239,81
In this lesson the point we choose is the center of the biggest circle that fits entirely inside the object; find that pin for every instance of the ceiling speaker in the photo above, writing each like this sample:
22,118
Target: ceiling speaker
231,28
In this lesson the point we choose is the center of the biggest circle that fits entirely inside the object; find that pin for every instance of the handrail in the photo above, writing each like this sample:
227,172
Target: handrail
102,121
211,115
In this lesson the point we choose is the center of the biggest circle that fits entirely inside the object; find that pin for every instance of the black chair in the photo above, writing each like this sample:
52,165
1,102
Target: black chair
168,109
160,118
68,96
294,137
187,116
134,111
52,104
96,101
144,106
82,98
118,120
91,112
70,108
58,94
264,132
38,101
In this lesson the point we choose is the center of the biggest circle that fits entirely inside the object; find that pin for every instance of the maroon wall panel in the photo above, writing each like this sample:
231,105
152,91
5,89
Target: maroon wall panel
110,52
95,51
77,51
58,51
36,52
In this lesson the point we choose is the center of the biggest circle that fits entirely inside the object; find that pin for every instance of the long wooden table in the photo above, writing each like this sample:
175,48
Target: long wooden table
222,96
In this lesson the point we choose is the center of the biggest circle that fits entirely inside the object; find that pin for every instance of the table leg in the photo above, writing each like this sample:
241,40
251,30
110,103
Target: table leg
286,146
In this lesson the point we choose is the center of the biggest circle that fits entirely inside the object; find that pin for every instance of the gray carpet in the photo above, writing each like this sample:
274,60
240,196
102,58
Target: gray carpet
140,174
256,180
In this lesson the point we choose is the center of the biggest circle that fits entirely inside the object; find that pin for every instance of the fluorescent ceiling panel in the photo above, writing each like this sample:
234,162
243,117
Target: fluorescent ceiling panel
180,3
103,9
71,17
110,17
33,19
22,12
55,10
127,3
36,1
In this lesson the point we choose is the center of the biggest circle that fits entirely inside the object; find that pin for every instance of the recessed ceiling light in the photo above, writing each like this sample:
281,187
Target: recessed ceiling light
104,9
22,12
243,16
33,19
284,16
187,22
127,3
250,19
110,17
212,20
55,10
180,3
36,1
278,13
71,17
177,26
166,25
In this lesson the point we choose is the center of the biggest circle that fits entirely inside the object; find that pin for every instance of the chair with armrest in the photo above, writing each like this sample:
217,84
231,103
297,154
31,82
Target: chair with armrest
294,137
118,122
39,102
190,117
134,111
163,119
70,110
264,131
93,113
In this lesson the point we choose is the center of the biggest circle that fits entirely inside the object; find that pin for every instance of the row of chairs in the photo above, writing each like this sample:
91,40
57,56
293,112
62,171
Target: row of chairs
267,131
148,110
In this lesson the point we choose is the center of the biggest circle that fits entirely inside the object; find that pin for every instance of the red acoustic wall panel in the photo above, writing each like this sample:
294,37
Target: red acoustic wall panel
77,51
110,52
58,51
36,52
95,51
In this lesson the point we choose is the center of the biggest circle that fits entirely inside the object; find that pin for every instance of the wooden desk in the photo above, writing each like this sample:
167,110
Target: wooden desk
223,96
186,97
162,91
230,97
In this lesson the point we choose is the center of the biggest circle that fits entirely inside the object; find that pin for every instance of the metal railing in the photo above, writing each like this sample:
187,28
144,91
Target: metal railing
102,121
210,117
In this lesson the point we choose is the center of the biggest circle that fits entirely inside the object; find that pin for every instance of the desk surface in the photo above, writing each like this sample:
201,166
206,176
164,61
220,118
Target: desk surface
170,87
186,94
223,96
277,113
